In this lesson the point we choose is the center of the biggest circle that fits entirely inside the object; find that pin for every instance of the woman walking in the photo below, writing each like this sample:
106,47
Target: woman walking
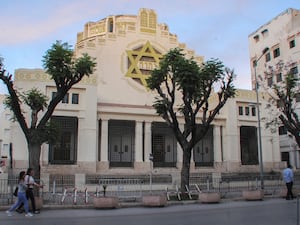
30,182
21,196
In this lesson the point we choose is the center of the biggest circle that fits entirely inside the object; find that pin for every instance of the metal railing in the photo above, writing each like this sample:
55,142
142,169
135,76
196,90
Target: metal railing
62,189
121,188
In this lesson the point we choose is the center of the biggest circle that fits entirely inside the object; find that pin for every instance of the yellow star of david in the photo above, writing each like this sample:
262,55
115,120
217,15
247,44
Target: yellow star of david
142,61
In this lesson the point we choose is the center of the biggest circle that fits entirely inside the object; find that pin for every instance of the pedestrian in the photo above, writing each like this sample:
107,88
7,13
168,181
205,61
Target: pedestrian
22,187
30,182
288,177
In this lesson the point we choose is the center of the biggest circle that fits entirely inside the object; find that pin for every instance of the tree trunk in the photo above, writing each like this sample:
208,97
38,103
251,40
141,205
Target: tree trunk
34,151
185,171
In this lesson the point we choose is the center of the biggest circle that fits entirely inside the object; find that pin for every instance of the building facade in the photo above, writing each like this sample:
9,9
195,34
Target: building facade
280,39
109,127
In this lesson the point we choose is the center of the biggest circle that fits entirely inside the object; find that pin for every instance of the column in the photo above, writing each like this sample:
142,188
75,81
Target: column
148,141
138,141
104,140
217,144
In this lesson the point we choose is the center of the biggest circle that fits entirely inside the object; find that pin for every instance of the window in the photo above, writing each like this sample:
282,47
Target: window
65,99
240,110
110,25
248,145
285,157
5,150
75,98
270,81
292,43
294,70
253,111
282,130
64,150
256,38
280,103
54,95
247,111
268,57
265,33
279,77
6,132
276,52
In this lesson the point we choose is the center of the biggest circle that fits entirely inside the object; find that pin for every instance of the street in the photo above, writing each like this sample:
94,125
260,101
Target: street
267,212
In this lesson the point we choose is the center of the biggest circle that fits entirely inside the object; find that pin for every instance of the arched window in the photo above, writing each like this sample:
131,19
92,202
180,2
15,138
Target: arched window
110,25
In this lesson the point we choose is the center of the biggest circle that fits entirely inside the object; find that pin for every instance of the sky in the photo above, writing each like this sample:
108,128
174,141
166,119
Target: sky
213,28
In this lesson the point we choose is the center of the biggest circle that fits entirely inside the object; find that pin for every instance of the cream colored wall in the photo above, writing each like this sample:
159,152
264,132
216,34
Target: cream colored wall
86,111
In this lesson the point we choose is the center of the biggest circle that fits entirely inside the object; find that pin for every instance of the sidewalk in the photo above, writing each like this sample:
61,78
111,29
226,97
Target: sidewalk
275,211
231,201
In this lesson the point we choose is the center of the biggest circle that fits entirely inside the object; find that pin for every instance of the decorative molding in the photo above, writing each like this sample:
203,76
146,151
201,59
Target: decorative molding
40,76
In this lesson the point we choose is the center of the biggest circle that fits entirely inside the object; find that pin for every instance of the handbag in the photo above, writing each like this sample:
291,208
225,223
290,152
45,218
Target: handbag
16,191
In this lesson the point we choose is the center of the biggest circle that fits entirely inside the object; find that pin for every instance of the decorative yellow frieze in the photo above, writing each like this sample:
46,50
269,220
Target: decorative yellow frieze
40,75
97,29
123,26
31,75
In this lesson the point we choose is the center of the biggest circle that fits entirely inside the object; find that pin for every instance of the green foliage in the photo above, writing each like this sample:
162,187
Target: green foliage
35,99
184,88
66,70
58,60
196,83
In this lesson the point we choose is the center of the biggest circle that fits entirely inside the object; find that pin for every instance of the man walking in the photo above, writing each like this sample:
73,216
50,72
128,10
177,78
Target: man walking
288,177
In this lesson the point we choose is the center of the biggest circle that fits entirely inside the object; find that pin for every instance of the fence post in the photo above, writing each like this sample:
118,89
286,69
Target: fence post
86,196
298,209
207,183
75,196
53,187
64,196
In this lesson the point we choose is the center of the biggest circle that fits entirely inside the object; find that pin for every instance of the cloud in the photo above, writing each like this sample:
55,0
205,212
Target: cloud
46,20
32,20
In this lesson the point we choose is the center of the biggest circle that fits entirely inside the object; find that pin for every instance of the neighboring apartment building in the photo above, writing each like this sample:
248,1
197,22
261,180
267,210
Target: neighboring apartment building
108,124
281,36
5,138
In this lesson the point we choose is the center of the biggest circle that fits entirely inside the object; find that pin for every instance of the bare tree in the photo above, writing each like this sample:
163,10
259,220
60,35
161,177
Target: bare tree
283,97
